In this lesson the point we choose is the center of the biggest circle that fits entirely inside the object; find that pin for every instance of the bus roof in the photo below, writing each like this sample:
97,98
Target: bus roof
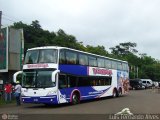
58,47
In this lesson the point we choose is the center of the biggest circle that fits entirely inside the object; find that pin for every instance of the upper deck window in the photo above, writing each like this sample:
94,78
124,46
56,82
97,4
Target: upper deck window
83,59
71,57
41,56
100,62
114,64
92,61
108,63
32,57
62,58
119,67
48,56
125,66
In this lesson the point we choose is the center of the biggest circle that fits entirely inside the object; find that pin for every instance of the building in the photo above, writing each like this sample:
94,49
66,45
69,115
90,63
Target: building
11,53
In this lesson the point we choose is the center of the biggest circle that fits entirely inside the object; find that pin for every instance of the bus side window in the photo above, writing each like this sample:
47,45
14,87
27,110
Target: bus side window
108,64
93,82
119,66
83,59
71,57
97,82
125,66
92,61
114,64
62,57
62,81
101,62
108,81
72,81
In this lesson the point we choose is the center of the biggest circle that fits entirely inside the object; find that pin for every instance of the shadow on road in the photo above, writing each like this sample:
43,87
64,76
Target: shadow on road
34,106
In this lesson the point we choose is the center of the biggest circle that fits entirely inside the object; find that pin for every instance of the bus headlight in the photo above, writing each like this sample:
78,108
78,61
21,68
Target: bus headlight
22,94
51,93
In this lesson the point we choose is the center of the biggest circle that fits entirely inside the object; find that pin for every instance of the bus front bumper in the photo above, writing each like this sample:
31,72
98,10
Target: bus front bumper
42,99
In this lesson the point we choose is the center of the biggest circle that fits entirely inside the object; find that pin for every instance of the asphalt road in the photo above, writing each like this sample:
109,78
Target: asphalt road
138,101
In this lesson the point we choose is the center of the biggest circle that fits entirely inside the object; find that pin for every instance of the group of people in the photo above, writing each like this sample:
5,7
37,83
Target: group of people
9,89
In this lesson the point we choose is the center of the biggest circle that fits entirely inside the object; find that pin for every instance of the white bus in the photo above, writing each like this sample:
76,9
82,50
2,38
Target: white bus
54,75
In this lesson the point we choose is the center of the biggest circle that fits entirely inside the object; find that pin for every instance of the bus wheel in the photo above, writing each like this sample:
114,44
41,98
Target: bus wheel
115,93
75,98
120,92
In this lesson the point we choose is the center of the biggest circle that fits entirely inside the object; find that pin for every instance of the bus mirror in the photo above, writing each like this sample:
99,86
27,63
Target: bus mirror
54,75
15,76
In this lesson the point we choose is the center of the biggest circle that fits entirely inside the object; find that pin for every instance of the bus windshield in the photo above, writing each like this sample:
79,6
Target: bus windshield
41,56
37,79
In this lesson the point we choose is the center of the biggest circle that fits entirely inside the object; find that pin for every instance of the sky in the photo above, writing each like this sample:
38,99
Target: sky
94,22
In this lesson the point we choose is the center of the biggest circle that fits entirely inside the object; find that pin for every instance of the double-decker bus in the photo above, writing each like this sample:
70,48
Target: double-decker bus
54,75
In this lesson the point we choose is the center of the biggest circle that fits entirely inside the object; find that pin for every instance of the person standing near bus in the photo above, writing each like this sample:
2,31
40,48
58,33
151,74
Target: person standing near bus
7,92
18,93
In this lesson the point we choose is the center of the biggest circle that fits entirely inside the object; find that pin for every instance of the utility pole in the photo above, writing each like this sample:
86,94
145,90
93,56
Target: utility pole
134,72
137,71
0,19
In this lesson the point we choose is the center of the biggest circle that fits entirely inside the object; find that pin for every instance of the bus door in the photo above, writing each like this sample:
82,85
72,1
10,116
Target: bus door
62,86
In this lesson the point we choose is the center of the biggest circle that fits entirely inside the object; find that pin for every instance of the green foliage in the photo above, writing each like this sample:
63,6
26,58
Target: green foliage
99,50
124,49
35,36
143,65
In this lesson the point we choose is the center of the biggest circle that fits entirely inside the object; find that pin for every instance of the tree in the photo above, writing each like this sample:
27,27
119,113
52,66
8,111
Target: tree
35,24
35,36
124,49
129,47
99,50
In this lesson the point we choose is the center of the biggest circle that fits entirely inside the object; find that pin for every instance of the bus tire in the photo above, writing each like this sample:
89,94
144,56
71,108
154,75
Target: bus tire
120,92
75,98
115,93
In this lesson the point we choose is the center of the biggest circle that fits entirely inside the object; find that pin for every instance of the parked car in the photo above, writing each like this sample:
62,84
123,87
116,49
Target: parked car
148,83
136,84
155,84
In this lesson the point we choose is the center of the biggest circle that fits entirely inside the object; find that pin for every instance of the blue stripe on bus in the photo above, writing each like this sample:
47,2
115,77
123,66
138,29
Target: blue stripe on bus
74,69
86,92
44,99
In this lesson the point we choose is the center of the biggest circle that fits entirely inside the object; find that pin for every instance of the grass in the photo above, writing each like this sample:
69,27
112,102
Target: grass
2,102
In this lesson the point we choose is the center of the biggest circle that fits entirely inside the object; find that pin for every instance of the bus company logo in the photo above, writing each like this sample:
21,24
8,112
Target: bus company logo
37,66
4,116
102,71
